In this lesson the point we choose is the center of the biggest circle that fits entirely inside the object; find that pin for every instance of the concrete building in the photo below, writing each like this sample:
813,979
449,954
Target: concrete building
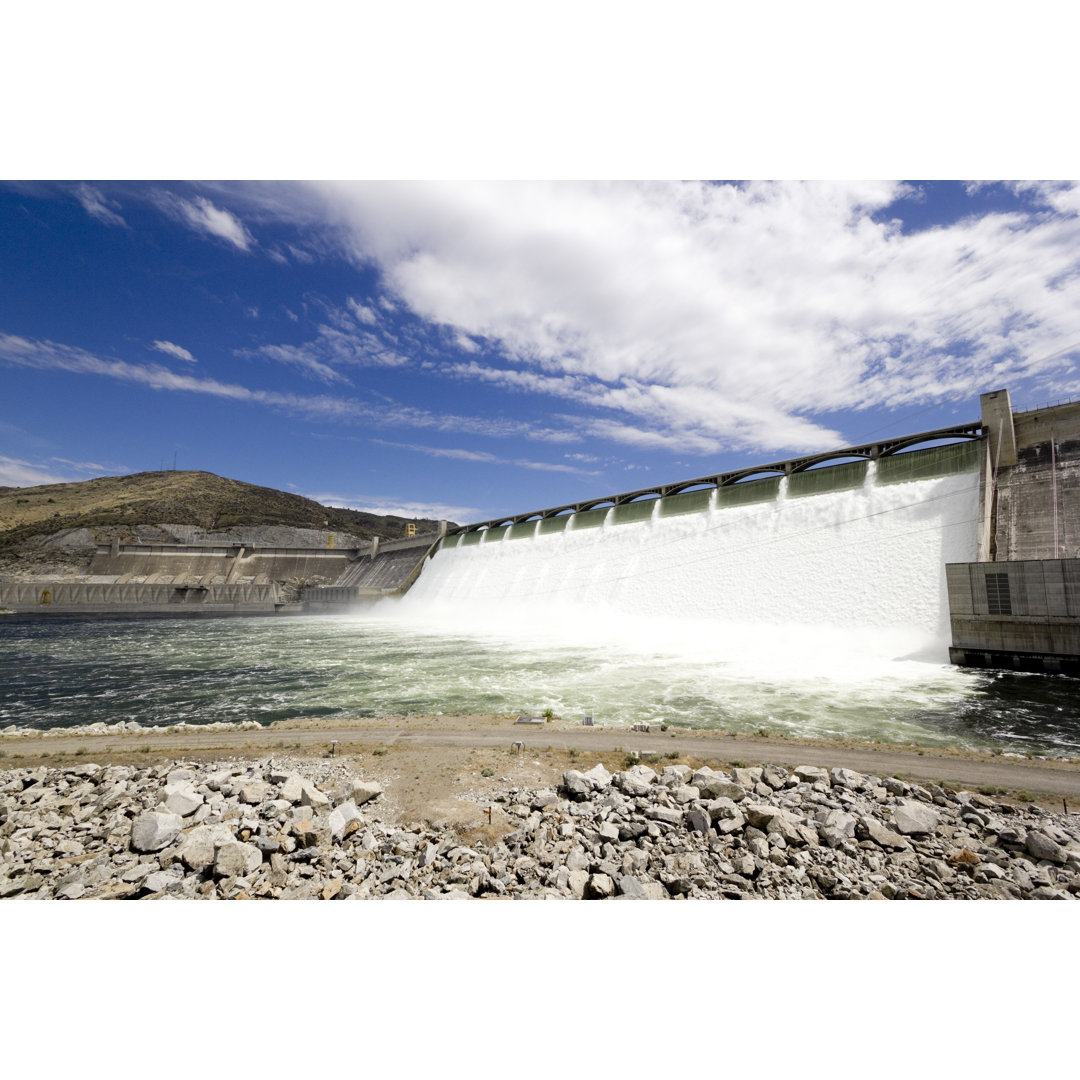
1019,606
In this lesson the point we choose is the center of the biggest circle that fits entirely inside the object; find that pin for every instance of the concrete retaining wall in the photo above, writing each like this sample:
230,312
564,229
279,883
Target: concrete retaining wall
1019,615
180,564
65,598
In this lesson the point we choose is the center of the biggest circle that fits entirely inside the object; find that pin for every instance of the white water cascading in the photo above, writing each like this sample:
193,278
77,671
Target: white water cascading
813,580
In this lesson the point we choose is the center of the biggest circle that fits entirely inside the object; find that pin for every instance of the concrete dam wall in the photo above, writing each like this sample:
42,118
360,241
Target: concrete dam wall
181,579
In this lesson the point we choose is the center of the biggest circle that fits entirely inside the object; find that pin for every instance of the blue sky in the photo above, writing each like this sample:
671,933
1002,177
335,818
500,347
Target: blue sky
467,349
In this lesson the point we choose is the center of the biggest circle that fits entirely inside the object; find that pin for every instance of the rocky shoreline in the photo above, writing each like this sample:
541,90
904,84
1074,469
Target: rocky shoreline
284,828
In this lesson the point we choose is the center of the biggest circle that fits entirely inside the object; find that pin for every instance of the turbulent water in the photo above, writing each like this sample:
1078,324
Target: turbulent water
820,616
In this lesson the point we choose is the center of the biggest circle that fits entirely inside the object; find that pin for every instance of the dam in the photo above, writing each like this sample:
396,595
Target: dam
858,545
954,544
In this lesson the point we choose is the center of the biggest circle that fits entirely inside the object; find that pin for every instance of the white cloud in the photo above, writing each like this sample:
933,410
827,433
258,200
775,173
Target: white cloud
14,472
97,206
486,458
93,467
342,344
362,312
203,216
303,357
174,350
51,356
18,472
389,506
727,316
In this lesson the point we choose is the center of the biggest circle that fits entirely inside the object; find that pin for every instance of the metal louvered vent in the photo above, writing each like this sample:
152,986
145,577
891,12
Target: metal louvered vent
997,594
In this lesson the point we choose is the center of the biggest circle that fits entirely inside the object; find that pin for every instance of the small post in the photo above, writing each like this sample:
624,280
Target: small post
489,815
333,747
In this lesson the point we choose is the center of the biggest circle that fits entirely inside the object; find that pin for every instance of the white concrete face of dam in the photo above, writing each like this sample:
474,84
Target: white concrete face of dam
837,583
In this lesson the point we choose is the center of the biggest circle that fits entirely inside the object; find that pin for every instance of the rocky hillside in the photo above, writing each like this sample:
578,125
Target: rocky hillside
132,506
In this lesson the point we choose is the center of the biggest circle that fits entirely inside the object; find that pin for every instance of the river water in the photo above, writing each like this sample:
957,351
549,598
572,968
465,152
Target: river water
820,616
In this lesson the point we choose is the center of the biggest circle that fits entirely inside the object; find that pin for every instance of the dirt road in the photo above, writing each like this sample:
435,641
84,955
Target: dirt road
495,733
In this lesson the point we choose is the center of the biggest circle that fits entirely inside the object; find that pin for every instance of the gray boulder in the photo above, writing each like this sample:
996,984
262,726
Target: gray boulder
182,799
630,784
631,888
762,815
675,775
342,816
846,778
869,828
812,774
834,827
292,787
599,777
255,792
154,831
576,859
236,859
746,778
199,848
719,787
1040,846
313,797
576,882
576,785
162,880
914,818
599,887
364,791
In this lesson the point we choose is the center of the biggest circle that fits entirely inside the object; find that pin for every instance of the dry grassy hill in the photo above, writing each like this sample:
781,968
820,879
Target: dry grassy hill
119,505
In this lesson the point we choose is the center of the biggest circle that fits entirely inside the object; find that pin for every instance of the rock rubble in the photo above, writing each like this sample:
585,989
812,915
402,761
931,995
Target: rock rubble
129,727
295,829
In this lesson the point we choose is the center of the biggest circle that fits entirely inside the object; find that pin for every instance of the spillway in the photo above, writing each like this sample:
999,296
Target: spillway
792,572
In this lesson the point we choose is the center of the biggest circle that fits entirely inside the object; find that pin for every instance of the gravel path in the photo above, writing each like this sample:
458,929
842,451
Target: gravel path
1056,778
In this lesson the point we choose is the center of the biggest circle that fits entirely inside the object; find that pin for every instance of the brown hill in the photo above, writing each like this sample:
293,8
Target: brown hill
115,504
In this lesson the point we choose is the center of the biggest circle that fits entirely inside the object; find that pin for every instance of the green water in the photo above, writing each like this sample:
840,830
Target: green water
62,673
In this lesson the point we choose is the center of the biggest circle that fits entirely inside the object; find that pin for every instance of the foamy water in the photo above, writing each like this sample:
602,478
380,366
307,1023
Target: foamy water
834,580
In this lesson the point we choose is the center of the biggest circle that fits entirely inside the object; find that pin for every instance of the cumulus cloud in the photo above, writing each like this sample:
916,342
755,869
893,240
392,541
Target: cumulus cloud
728,315
97,206
174,350
203,216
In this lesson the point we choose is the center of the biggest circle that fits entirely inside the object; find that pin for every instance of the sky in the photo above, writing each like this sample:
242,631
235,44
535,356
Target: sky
465,349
